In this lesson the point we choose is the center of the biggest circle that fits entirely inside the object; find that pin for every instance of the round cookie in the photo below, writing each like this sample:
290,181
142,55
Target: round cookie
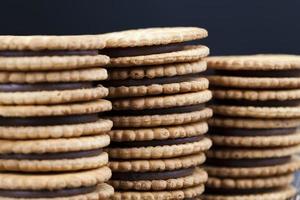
75,75
52,63
184,54
249,183
153,195
255,62
10,112
239,137
153,165
54,154
156,71
258,171
35,43
158,133
276,194
153,36
89,185
156,149
158,181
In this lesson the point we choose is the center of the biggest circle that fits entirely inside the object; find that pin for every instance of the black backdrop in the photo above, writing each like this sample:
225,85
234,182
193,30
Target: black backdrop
235,26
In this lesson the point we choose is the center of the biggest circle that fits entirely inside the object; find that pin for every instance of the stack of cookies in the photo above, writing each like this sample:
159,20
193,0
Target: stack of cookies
255,127
159,113
51,136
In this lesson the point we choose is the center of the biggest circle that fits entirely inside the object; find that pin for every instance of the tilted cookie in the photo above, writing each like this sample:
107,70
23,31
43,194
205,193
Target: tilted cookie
45,155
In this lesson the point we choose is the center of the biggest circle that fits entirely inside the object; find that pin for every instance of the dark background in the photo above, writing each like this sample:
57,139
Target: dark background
235,26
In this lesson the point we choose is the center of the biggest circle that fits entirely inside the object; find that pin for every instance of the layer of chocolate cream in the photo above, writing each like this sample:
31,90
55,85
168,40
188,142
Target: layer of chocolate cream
161,111
23,53
164,175
250,132
13,87
140,51
52,156
267,103
258,73
248,162
151,81
35,194
48,121
148,143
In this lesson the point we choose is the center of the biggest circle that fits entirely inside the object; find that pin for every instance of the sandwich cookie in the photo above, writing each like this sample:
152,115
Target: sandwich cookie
255,71
161,110
157,80
46,155
53,121
34,88
154,46
67,186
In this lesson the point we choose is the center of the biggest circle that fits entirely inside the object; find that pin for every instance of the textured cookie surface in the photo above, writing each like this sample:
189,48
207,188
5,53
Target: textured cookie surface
166,151
76,75
278,194
240,153
154,195
161,120
254,123
100,105
162,101
237,172
189,54
250,183
198,177
56,131
157,164
153,36
53,42
102,191
158,133
54,181
257,112
254,62
52,97
157,71
52,63
193,85
254,82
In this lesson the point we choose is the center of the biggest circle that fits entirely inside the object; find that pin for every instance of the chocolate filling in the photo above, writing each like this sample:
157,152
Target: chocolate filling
52,156
150,81
34,194
140,51
257,73
251,132
48,121
156,142
248,162
12,53
162,111
267,103
43,86
223,191
137,176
